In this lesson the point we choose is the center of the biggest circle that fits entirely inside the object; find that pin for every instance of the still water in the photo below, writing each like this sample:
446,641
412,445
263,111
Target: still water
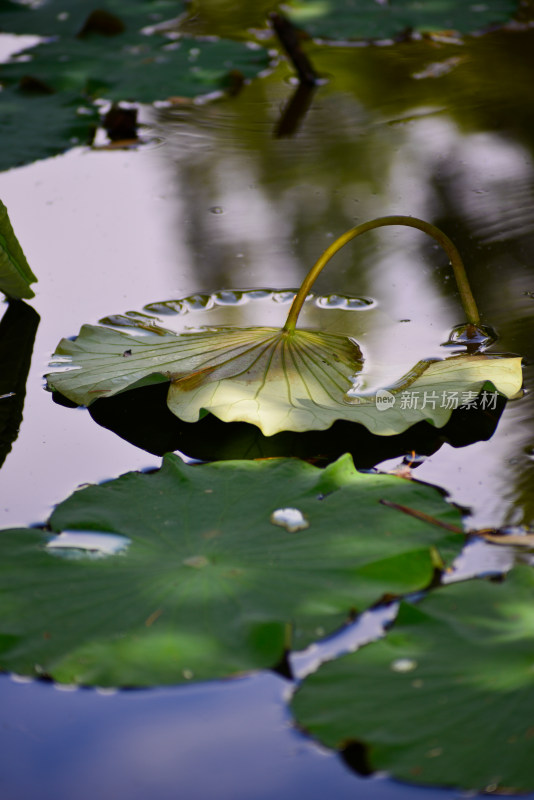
246,193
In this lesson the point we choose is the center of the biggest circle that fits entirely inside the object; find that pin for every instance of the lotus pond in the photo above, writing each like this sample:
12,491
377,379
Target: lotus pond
253,549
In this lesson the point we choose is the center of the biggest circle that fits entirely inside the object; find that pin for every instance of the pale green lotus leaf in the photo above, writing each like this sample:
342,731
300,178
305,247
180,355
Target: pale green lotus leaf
15,272
278,381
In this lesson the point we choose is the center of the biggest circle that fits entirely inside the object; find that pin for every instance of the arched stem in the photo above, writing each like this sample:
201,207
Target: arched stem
466,295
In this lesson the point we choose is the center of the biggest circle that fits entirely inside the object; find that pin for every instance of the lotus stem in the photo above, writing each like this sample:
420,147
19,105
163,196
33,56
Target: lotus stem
468,301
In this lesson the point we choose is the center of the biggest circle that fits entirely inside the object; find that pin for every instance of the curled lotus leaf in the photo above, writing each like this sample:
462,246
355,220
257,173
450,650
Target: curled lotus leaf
276,381
284,379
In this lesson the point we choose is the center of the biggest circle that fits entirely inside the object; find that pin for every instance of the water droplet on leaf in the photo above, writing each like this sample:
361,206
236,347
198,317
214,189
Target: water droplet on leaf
403,665
469,335
227,297
75,544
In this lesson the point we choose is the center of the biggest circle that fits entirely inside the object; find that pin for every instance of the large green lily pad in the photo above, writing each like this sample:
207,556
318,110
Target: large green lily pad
202,591
369,19
15,272
278,381
447,697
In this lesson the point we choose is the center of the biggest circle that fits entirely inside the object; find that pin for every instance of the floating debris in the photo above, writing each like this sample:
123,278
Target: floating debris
291,519
403,665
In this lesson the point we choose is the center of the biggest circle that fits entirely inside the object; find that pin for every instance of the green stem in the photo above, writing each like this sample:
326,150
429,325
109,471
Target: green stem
466,295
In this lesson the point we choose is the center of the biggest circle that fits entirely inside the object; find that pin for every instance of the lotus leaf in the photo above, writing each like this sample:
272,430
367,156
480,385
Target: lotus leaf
15,272
277,381
447,697
114,51
369,19
201,591
138,68
288,379
37,125
69,17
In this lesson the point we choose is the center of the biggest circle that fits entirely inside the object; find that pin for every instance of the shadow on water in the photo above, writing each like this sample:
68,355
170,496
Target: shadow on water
142,417
18,328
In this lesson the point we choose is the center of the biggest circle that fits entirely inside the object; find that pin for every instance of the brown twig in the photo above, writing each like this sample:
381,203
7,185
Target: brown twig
420,515
289,39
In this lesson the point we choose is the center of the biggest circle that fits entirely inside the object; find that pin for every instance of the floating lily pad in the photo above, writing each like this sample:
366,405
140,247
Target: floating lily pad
113,51
446,698
15,272
283,379
34,125
138,68
200,592
279,381
69,17
141,417
110,51
369,19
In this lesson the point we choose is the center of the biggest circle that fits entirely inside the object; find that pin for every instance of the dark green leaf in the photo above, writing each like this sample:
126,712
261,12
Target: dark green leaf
369,19
15,272
140,68
202,590
447,697
108,51
124,60
34,126
68,17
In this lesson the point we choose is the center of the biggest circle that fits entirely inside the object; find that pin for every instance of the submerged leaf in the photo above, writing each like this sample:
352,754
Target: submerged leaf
202,591
297,381
447,697
15,272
